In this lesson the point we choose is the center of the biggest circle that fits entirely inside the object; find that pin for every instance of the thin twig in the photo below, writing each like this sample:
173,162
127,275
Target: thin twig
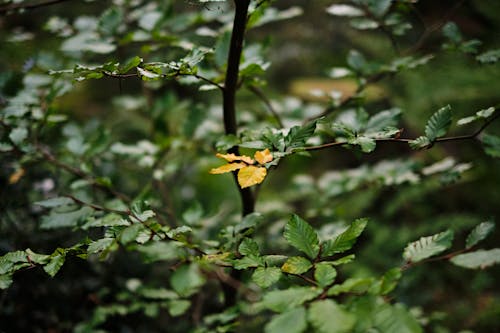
259,93
430,30
400,140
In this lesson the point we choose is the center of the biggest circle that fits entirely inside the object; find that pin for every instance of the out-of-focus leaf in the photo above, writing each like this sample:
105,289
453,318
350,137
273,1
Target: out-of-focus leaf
478,259
326,316
293,321
480,232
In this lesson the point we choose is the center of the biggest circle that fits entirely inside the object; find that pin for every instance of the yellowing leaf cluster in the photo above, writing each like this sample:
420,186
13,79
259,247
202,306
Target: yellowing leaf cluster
248,174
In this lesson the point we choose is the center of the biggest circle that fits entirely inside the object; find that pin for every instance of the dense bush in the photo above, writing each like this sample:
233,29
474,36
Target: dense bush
360,137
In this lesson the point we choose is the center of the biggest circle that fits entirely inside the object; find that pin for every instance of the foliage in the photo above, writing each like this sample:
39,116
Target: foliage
108,137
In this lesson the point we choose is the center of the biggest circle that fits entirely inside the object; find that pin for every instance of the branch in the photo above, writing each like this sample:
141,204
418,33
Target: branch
369,80
199,77
82,174
27,6
400,140
231,86
260,94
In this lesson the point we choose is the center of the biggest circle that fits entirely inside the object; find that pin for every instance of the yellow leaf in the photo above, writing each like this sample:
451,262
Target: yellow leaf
263,156
227,168
251,175
16,176
232,157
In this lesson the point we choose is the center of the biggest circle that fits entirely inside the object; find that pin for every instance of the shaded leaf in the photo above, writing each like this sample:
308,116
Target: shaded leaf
293,321
345,240
480,232
491,144
249,247
55,263
327,316
282,300
420,143
324,274
186,280
395,319
298,135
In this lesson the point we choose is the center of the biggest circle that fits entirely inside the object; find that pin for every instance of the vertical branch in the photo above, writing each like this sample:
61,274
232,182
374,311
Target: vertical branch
231,85
230,124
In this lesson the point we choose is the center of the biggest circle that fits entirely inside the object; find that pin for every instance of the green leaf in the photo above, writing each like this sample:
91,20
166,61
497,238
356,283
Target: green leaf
383,119
481,114
130,64
55,202
65,219
357,285
489,57
379,7
265,277
344,260
18,135
298,135
367,144
222,49
389,281
491,144
100,245
324,274
5,281
478,259
395,319
345,240
420,143
56,261
186,280
326,316
130,233
283,300
178,307
356,61
36,258
249,247
439,123
451,31
302,236
344,10
428,246
480,232
248,261
293,321
296,265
